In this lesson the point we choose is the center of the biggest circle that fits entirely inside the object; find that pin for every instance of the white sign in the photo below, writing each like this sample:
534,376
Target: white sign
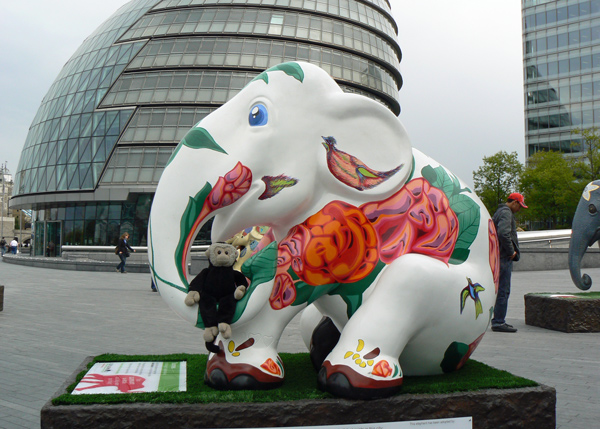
133,377
454,423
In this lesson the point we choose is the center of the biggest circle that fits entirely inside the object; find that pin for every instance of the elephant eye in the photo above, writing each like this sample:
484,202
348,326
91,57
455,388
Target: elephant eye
592,209
258,115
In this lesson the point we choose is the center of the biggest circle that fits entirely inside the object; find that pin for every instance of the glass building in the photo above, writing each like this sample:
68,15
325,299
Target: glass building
562,72
107,126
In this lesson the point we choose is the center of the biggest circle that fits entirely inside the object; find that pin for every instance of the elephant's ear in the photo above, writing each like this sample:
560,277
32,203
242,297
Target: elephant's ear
366,147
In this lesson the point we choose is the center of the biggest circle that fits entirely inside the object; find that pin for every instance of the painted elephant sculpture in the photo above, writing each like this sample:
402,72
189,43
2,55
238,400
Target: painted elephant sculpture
585,232
392,247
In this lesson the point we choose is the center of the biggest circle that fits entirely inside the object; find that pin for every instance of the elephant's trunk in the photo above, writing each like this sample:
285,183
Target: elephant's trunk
577,250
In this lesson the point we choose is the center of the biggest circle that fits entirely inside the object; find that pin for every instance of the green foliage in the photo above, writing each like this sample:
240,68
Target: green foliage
497,178
550,189
300,383
586,166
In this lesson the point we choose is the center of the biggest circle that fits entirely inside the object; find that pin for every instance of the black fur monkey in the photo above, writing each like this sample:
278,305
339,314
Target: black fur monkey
216,290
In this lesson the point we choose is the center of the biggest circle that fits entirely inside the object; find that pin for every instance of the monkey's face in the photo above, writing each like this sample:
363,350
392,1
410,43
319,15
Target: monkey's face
222,255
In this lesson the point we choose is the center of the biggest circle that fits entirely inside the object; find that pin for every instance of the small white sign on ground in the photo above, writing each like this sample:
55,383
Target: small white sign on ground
133,377
454,423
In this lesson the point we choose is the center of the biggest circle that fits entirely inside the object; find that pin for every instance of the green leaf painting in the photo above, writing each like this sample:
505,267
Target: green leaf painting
197,138
191,213
351,293
261,267
291,69
466,209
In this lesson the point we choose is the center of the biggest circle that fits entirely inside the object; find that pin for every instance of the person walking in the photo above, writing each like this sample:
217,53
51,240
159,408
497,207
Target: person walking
3,246
123,248
506,229
14,244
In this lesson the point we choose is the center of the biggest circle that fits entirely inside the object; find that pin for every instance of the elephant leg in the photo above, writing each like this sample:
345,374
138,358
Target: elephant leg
365,362
248,360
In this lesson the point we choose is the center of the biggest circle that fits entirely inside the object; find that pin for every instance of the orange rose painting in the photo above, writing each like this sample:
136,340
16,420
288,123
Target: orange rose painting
336,245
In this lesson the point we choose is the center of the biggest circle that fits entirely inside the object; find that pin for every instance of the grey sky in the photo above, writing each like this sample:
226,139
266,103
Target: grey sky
462,97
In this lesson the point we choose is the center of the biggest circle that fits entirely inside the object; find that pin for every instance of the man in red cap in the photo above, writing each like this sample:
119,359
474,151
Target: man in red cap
506,228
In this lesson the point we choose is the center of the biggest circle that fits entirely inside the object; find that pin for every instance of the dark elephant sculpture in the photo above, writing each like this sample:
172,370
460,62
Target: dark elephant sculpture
586,231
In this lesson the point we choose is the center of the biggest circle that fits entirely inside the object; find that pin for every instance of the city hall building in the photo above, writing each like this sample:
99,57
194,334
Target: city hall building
110,121
562,72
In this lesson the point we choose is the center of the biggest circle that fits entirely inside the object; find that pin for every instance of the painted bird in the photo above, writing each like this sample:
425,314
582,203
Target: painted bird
472,290
352,171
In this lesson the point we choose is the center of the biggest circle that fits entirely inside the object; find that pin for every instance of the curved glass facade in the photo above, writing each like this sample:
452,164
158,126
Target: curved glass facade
110,121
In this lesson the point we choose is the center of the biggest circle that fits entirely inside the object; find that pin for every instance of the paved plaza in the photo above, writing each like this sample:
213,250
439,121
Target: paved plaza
53,319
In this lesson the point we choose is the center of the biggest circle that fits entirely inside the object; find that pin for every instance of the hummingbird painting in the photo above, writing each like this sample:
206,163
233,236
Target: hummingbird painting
472,290
352,171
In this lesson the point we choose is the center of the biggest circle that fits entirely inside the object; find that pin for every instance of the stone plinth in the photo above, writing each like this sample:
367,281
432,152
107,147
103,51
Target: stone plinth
563,313
531,407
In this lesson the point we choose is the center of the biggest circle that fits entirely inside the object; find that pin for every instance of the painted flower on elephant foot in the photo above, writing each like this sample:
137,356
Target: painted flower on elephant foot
273,368
417,219
336,245
382,369
494,253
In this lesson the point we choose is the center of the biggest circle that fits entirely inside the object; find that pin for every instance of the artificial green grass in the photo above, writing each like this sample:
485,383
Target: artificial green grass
300,383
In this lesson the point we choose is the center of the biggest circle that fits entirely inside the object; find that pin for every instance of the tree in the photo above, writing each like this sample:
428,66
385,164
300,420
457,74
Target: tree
497,178
550,190
586,165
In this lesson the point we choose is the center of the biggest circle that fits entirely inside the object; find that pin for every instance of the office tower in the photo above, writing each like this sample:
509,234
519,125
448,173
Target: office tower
562,72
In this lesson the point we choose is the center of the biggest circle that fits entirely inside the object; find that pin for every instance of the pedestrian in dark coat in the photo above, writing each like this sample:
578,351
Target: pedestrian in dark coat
506,229
123,249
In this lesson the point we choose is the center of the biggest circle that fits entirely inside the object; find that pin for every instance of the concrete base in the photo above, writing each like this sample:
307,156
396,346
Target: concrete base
532,407
562,314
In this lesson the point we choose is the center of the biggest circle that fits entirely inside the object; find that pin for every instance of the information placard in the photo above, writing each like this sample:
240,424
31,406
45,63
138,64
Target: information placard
133,377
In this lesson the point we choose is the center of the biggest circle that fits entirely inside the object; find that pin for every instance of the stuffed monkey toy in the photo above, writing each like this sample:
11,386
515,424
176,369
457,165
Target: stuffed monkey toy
216,290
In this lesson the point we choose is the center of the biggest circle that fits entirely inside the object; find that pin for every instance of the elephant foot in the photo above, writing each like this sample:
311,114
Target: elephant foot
360,372
224,375
344,382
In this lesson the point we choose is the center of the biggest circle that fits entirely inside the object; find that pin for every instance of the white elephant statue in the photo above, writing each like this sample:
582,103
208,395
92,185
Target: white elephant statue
394,249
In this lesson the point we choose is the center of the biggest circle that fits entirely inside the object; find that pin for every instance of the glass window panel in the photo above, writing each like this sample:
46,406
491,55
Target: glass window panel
90,211
114,211
149,158
146,174
135,158
118,175
131,175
